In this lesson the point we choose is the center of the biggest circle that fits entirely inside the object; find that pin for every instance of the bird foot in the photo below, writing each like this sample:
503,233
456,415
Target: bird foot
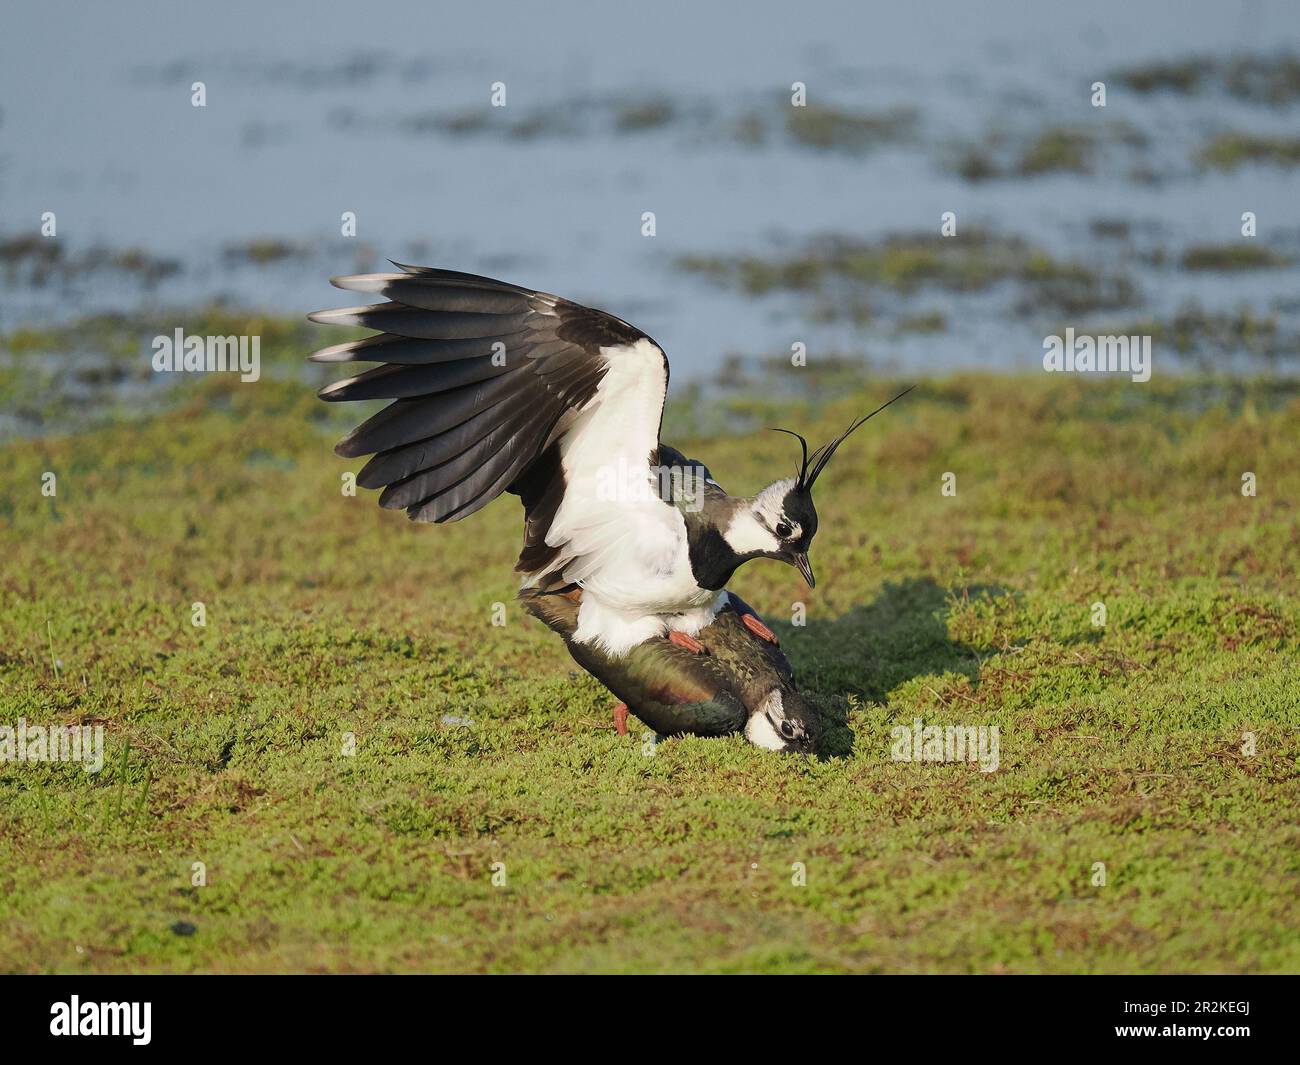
690,643
620,719
755,625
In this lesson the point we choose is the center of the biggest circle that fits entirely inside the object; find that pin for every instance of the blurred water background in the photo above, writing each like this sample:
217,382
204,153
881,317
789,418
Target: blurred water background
772,227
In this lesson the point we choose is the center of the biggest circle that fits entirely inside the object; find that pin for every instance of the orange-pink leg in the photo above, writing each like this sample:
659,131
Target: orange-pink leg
690,643
620,719
755,625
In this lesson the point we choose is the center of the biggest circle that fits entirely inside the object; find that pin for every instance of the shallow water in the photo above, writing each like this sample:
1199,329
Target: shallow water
313,111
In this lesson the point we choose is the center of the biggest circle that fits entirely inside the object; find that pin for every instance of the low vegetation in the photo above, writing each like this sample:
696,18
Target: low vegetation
838,273
1142,817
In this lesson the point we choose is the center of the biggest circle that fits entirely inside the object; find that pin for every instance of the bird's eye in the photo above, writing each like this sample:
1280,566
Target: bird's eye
787,730
783,529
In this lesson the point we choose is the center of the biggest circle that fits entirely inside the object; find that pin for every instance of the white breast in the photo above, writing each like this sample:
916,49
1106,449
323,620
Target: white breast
624,545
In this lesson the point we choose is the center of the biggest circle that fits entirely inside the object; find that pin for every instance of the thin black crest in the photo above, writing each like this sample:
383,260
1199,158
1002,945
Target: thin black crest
811,466
803,465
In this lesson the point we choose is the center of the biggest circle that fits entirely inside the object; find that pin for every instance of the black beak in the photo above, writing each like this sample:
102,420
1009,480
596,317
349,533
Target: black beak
800,562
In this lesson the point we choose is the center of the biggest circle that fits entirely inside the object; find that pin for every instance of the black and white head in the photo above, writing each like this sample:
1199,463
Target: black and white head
781,520
784,721
779,523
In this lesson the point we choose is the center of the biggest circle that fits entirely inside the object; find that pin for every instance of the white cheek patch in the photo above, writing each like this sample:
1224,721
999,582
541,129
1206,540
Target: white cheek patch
759,730
745,534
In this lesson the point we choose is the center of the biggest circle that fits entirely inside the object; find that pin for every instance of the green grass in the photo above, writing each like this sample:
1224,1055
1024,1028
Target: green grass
1050,150
1057,149
1227,257
832,129
1229,151
1259,79
638,116
1207,338
1120,745
838,274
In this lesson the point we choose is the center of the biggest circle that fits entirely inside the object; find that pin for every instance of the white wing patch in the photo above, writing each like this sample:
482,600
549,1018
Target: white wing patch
624,545
607,521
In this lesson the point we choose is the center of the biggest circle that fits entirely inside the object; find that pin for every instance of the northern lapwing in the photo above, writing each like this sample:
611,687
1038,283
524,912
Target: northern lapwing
498,388
743,681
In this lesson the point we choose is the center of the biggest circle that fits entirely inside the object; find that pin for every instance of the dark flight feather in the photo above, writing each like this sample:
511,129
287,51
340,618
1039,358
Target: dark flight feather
462,427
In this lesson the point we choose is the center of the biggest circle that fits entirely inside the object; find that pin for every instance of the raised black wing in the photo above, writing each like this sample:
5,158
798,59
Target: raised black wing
486,378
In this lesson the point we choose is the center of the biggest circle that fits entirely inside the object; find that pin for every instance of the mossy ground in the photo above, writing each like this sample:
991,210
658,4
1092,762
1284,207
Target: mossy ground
1120,744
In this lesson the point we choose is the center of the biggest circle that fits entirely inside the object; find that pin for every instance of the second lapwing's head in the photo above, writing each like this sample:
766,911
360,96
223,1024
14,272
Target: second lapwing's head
781,521
784,721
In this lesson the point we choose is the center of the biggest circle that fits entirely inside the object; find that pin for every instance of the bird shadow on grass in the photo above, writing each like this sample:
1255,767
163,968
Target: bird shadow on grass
875,647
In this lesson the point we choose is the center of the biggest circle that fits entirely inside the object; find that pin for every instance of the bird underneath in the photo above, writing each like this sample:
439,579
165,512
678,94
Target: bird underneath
739,684
497,388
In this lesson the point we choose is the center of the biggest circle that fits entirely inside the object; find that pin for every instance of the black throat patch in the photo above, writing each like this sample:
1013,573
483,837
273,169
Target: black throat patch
712,559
